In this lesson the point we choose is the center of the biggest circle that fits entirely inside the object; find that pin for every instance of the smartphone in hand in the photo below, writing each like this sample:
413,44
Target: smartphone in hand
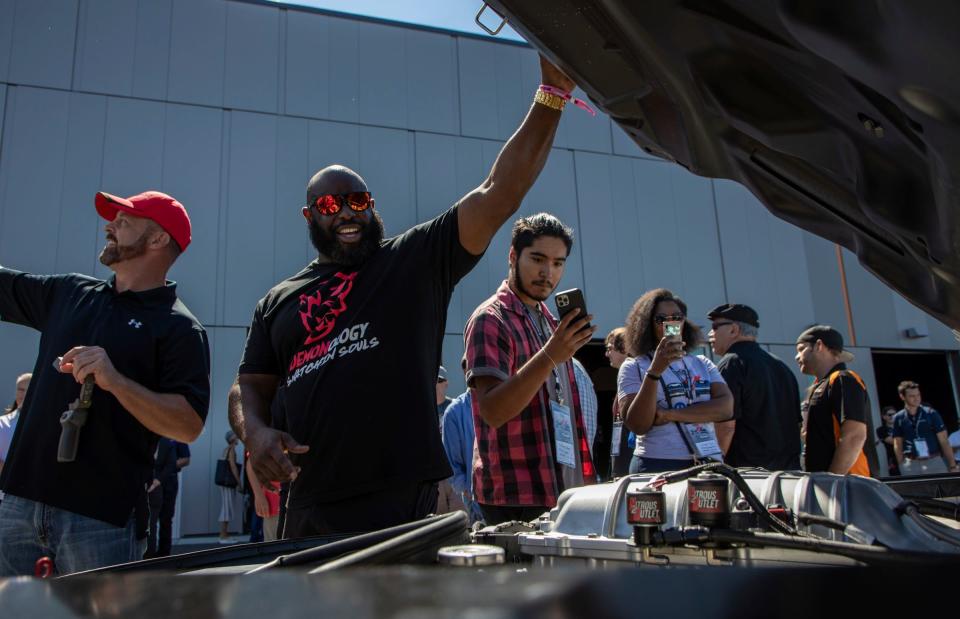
673,330
568,300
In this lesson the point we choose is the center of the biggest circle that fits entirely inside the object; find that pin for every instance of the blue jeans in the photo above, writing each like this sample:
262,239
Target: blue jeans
657,465
31,530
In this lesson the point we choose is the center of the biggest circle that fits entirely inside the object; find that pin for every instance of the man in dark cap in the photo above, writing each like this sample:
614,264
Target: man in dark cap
353,342
838,407
150,363
765,428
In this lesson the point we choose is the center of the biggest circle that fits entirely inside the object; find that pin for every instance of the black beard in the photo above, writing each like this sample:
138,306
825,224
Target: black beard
326,243
515,276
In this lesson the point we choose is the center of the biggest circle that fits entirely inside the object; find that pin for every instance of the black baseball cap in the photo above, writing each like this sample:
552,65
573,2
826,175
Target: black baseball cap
830,337
735,311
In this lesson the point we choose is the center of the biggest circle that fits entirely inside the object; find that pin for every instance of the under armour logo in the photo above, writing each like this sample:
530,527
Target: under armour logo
136,324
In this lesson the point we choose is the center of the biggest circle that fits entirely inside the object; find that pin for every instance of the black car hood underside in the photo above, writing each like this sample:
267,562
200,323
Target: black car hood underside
841,117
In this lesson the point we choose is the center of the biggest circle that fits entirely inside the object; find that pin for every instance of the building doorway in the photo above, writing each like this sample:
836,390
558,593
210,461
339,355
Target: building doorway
930,369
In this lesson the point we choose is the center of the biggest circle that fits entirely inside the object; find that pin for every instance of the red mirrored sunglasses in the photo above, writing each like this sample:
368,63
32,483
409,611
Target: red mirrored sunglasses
330,203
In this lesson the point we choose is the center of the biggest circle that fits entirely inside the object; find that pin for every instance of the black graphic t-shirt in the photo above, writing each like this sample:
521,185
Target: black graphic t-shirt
357,351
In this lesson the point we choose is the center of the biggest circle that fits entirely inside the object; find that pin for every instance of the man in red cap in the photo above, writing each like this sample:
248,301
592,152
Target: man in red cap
149,360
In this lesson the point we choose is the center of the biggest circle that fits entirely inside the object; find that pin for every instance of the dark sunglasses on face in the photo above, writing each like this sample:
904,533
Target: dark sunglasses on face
662,318
716,326
329,204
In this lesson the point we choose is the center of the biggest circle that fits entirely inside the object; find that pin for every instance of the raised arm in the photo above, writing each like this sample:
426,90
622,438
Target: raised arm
486,208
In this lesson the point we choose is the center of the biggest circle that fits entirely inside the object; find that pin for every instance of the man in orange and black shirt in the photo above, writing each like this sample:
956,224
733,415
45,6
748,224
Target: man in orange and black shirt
838,418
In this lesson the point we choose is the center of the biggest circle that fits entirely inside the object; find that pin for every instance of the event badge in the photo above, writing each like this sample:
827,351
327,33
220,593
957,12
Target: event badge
920,448
615,438
703,438
563,434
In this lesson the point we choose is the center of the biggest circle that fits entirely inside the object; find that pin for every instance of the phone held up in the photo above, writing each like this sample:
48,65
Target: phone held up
568,300
673,330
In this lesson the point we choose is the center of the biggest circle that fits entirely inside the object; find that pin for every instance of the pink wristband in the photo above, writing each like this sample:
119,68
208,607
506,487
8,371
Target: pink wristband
563,94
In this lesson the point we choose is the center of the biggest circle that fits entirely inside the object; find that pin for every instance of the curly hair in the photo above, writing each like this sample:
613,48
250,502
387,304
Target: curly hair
641,337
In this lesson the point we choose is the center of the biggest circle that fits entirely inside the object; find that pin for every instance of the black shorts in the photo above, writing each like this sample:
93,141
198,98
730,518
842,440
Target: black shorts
360,514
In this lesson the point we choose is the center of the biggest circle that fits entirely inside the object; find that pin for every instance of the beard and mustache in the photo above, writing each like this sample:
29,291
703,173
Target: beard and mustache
327,244
518,282
117,253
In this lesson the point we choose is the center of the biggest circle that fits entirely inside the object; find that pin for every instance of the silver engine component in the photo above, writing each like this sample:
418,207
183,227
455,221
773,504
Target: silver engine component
589,524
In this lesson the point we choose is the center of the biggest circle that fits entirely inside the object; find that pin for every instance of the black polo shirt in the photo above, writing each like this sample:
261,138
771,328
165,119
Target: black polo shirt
839,396
150,337
766,407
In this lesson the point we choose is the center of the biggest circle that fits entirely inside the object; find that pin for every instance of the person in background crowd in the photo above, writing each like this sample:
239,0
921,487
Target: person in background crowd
266,500
588,401
170,459
523,384
442,400
369,303
228,495
919,436
885,436
765,428
835,430
621,451
149,362
8,420
448,500
668,397
458,442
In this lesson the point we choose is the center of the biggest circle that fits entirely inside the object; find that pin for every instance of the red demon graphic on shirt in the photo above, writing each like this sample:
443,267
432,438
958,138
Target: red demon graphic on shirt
319,311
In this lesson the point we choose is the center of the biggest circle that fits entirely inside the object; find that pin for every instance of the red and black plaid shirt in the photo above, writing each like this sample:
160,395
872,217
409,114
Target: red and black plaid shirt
516,464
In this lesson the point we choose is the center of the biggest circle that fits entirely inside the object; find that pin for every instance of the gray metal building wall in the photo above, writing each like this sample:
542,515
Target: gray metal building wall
231,105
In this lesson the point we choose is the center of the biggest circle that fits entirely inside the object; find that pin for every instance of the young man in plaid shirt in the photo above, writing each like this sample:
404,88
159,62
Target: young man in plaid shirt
526,408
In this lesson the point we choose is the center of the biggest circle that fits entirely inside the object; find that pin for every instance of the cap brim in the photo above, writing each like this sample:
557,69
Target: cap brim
108,205
846,356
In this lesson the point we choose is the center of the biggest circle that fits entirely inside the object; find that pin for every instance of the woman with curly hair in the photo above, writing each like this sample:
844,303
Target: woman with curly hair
669,398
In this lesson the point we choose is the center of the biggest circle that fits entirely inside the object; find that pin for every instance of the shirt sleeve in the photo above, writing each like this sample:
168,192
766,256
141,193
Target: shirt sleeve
629,378
489,350
713,374
26,299
936,421
258,354
185,368
731,369
847,398
442,241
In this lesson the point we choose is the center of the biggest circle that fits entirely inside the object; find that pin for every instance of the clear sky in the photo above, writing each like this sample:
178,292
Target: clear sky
449,14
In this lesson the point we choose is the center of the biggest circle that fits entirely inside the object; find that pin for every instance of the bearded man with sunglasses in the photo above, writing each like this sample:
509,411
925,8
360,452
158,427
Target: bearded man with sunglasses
354,340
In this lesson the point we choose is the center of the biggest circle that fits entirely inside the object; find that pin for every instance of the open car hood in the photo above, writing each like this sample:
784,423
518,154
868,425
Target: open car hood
843,118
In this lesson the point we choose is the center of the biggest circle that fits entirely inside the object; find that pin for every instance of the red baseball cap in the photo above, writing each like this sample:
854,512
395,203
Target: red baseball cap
161,208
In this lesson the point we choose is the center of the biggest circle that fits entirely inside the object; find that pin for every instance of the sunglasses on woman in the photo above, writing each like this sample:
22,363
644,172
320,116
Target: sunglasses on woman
330,204
662,318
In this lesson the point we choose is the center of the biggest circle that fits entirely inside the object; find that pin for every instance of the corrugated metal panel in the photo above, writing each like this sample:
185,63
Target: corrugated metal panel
387,163
6,38
152,45
291,245
105,46
197,51
191,174
251,180
431,82
252,58
81,229
34,143
43,39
